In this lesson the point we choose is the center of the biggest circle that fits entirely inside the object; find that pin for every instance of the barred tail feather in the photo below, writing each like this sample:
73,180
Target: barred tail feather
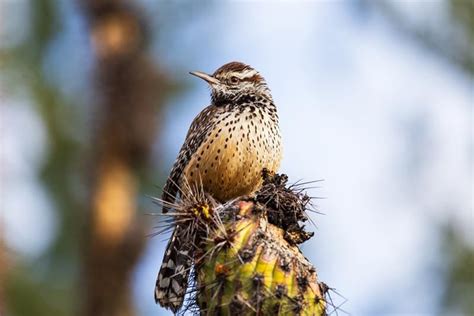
172,280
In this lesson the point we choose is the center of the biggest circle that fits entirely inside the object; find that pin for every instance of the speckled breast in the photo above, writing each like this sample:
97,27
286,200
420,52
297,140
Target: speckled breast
230,160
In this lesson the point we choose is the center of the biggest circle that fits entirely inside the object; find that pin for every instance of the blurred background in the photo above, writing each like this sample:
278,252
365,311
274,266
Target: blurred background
375,97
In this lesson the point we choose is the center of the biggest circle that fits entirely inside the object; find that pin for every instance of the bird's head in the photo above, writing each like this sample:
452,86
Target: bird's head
233,82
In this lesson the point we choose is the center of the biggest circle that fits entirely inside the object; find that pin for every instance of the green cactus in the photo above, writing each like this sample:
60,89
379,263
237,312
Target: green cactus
246,255
251,269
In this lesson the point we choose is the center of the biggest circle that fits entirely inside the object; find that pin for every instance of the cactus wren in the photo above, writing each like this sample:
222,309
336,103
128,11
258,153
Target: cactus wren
226,148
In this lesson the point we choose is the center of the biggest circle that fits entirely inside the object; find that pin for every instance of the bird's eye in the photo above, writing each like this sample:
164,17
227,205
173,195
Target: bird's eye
234,80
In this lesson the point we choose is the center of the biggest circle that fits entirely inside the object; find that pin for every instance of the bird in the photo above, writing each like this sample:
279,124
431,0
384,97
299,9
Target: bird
226,148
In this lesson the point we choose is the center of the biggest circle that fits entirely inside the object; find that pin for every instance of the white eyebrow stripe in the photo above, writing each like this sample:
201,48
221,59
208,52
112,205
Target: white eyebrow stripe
246,74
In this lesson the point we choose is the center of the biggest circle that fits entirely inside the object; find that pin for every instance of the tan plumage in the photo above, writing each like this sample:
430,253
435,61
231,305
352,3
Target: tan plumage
229,162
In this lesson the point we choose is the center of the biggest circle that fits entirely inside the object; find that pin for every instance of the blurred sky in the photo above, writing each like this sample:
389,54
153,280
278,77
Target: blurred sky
385,123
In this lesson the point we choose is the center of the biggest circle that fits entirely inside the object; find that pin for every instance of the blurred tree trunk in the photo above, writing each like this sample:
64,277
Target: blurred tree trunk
127,90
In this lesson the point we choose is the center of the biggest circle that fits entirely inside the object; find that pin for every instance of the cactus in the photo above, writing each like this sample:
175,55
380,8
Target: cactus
246,255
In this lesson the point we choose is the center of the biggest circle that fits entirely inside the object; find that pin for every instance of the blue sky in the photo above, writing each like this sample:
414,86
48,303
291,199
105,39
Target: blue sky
385,123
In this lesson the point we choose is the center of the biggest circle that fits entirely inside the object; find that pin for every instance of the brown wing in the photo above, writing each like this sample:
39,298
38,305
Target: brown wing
197,133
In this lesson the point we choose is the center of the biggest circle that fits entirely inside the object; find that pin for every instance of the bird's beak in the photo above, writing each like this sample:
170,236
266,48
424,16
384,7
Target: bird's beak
208,78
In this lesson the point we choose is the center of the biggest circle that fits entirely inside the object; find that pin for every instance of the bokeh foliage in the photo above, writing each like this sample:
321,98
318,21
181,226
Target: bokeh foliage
48,283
